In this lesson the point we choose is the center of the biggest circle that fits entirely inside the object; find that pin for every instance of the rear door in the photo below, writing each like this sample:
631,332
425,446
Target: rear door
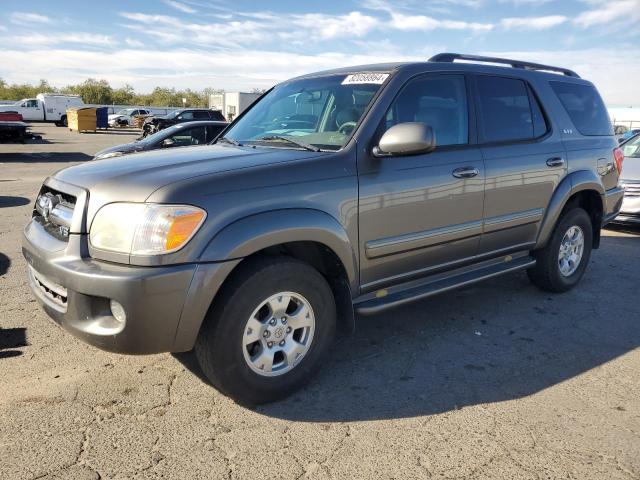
422,212
524,160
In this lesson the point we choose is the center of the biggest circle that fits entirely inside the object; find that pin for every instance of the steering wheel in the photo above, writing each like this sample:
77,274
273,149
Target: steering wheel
346,125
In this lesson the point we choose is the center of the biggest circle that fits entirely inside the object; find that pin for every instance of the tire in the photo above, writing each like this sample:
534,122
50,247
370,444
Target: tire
222,347
548,274
64,121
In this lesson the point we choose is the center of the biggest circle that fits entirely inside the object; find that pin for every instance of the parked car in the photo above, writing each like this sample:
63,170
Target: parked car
46,107
155,124
126,117
630,211
183,134
353,190
628,134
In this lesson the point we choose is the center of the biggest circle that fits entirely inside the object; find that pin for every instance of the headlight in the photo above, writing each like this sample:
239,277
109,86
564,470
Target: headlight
144,228
108,155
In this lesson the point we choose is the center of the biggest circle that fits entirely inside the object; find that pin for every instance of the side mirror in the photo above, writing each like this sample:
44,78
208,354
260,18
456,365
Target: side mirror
168,142
409,138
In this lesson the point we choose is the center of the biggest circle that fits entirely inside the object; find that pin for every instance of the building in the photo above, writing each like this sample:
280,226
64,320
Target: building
231,104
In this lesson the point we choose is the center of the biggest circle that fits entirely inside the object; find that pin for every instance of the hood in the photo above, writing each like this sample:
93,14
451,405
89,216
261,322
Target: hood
125,148
134,178
113,116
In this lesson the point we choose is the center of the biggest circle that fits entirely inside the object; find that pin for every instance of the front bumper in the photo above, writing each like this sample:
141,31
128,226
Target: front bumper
630,209
612,203
164,306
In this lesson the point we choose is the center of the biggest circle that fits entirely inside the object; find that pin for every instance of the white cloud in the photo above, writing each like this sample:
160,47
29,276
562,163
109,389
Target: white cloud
604,12
533,23
40,39
333,26
132,42
27,18
531,3
180,6
145,69
401,21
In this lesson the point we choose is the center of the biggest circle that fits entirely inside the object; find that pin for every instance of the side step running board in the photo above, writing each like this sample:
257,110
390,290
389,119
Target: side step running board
434,287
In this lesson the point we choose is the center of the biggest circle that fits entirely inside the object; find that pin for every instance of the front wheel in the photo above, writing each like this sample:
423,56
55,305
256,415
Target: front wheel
268,330
561,264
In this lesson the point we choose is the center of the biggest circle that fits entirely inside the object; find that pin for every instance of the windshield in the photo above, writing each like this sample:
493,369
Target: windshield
319,112
632,147
125,111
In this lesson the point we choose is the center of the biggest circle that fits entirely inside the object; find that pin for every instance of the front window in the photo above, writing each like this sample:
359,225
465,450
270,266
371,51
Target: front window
631,149
320,112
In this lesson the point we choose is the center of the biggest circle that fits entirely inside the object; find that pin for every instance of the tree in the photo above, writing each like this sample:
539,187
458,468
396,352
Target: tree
124,95
92,91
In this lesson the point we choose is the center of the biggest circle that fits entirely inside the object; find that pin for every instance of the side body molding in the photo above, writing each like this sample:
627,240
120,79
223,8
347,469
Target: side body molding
573,183
256,232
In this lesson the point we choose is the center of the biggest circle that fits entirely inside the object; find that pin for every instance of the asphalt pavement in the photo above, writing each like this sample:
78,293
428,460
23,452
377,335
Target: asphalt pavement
495,381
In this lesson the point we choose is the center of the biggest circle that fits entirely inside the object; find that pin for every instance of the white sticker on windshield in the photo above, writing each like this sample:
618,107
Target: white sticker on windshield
360,78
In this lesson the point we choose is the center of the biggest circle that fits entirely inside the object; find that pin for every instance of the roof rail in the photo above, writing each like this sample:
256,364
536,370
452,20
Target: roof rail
451,57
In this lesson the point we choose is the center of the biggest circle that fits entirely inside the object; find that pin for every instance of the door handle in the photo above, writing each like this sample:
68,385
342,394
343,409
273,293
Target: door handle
465,172
555,162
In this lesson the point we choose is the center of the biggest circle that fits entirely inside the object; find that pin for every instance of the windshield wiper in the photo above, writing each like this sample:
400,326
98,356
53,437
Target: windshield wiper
229,140
298,143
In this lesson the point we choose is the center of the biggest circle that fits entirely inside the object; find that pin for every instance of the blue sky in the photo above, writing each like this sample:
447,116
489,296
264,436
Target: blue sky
244,44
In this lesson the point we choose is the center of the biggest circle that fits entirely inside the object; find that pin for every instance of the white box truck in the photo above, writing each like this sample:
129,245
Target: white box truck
46,107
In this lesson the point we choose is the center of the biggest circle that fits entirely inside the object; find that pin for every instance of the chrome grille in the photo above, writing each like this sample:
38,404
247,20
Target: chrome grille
54,210
632,189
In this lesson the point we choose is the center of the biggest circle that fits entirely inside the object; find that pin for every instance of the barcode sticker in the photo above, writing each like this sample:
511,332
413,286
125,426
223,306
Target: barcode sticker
363,78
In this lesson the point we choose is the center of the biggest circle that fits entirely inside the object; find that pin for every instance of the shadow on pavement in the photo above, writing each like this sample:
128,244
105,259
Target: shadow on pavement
45,157
5,263
10,339
496,341
10,201
624,228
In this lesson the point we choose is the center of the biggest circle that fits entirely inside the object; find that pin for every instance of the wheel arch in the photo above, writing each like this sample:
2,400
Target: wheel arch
582,188
312,236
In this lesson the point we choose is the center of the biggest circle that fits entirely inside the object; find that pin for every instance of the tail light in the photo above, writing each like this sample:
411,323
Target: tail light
618,155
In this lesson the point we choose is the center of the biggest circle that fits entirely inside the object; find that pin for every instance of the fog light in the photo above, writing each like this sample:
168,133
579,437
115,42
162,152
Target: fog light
118,312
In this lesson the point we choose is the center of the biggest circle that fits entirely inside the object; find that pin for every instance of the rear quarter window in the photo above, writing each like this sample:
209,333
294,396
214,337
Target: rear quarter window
585,108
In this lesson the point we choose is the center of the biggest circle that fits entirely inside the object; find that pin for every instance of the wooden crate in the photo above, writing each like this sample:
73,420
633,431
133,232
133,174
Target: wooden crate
82,119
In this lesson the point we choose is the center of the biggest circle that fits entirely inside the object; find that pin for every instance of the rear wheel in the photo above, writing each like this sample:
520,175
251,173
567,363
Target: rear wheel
268,330
63,121
561,264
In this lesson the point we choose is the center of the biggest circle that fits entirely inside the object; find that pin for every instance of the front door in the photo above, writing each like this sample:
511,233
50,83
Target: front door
31,110
421,212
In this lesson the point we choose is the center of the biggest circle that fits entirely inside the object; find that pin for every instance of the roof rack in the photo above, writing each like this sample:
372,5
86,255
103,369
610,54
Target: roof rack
451,57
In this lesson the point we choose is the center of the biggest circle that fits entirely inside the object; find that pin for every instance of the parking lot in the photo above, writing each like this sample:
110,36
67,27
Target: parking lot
498,380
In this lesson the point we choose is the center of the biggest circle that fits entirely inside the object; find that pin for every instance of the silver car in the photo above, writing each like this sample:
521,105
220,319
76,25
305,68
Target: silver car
630,211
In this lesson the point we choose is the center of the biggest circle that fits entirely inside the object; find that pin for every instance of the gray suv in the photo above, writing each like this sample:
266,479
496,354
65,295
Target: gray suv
344,192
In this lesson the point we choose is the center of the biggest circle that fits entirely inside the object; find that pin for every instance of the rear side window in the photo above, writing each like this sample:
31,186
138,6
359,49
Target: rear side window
201,114
585,107
508,110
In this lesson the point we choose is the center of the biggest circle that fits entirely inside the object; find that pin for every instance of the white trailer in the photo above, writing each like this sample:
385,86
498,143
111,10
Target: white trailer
46,107
232,104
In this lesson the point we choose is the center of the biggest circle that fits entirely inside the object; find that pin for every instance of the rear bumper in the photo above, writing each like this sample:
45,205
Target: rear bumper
164,306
